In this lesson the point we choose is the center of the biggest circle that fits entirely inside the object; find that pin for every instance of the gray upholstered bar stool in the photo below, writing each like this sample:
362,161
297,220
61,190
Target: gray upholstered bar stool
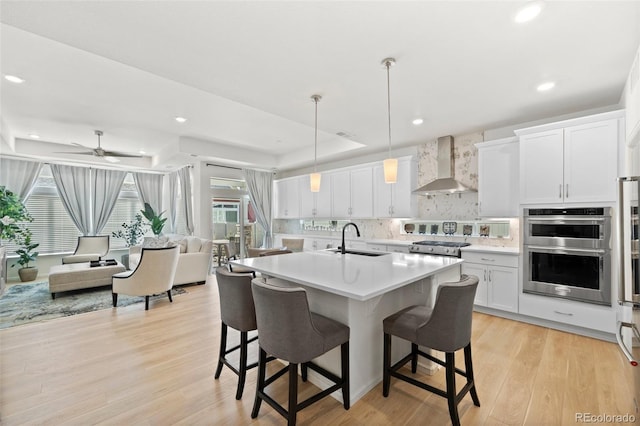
289,331
236,311
446,328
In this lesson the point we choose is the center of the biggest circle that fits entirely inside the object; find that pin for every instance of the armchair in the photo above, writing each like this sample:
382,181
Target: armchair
89,248
154,274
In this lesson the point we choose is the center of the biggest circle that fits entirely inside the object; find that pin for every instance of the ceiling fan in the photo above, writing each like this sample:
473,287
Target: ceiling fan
101,152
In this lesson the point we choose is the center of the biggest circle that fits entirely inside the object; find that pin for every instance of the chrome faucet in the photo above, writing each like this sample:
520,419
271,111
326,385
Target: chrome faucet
342,249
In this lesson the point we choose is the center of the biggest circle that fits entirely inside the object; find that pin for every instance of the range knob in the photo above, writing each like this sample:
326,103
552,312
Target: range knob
430,249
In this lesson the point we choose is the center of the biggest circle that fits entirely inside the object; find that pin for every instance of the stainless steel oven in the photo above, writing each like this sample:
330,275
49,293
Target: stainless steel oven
567,253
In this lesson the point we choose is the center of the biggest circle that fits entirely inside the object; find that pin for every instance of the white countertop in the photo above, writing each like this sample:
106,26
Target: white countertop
350,275
490,249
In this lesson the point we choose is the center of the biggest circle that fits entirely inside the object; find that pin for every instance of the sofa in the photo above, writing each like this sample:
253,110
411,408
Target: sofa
194,261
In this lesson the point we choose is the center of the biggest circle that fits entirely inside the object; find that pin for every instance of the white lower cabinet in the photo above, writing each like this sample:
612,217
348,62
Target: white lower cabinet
498,278
579,314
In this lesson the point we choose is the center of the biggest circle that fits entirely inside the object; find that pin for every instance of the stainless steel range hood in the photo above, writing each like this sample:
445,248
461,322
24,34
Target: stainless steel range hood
445,183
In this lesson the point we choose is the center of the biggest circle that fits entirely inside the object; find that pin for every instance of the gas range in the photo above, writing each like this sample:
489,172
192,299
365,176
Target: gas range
439,248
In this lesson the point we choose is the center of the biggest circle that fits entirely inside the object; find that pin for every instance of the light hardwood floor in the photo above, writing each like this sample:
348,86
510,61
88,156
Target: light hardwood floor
127,366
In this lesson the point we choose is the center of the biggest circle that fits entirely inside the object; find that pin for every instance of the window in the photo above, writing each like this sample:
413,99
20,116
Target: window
52,227
126,208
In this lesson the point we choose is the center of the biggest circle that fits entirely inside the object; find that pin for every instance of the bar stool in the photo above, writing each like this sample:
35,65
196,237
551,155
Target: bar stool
236,311
289,331
446,328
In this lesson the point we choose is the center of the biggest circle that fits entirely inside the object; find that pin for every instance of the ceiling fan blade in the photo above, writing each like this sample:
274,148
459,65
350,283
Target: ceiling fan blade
121,154
75,152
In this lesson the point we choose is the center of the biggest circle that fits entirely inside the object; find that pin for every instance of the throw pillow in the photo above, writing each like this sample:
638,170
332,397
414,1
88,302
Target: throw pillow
153,242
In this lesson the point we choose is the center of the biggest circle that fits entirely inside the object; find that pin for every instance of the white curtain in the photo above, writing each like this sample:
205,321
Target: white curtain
106,188
185,189
19,176
173,205
260,186
74,187
149,187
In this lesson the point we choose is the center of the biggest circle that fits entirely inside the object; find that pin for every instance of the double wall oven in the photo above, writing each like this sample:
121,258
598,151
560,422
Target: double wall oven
567,253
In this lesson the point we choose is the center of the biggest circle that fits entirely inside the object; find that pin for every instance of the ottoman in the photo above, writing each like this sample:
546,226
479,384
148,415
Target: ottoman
75,276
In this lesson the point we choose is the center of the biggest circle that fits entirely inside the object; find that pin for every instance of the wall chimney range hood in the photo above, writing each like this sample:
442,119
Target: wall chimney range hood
445,183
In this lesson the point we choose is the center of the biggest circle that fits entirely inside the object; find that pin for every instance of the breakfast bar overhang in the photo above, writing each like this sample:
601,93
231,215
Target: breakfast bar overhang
359,291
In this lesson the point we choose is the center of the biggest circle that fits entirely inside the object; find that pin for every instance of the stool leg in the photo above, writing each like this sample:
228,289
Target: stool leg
468,365
304,370
386,376
223,349
146,303
414,358
344,355
451,387
169,294
293,394
262,371
242,370
114,296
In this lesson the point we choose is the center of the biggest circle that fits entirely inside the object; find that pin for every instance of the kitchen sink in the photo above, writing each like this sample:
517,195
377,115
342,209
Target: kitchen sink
360,252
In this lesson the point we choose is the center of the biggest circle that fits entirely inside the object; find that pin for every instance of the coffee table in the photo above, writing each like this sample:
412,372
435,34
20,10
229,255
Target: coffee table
76,276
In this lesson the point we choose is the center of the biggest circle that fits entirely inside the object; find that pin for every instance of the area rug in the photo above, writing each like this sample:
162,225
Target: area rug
28,303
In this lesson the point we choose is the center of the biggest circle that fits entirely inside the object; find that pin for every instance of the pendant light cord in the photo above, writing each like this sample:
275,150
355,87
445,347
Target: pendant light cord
315,149
388,64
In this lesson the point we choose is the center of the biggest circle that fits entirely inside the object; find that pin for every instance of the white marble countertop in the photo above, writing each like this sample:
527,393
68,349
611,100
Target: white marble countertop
350,275
491,249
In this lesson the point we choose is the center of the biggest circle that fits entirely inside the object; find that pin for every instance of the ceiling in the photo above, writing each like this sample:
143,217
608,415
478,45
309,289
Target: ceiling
243,73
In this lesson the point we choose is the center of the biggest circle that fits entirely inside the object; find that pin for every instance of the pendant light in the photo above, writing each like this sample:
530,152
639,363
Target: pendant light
390,164
315,177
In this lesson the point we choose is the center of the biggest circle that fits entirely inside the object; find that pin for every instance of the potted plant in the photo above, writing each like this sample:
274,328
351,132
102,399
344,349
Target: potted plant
26,254
12,213
156,221
131,233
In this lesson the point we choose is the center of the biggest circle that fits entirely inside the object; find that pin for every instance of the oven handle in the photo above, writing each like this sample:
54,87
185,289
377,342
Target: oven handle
564,220
625,350
565,250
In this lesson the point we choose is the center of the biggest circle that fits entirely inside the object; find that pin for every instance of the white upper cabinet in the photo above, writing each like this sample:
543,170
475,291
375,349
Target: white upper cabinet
349,193
395,199
315,204
572,163
287,198
498,177
352,193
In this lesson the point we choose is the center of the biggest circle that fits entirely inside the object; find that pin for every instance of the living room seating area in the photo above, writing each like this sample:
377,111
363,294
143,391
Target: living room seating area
194,260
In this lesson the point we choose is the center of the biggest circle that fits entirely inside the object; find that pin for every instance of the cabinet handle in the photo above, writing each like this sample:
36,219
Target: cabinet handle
486,259
485,275
560,191
569,314
489,276
566,192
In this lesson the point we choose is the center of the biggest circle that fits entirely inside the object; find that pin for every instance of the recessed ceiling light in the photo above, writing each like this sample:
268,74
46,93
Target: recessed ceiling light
546,86
181,120
417,121
14,79
142,152
111,159
528,12
34,136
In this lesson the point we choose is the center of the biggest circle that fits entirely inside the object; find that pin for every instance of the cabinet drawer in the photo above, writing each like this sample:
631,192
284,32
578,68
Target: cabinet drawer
574,313
491,258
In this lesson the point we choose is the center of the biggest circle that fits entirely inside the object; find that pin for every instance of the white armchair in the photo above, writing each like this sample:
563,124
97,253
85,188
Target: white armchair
89,248
154,274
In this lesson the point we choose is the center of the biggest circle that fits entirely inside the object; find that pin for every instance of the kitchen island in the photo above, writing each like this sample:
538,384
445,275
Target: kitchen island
359,291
